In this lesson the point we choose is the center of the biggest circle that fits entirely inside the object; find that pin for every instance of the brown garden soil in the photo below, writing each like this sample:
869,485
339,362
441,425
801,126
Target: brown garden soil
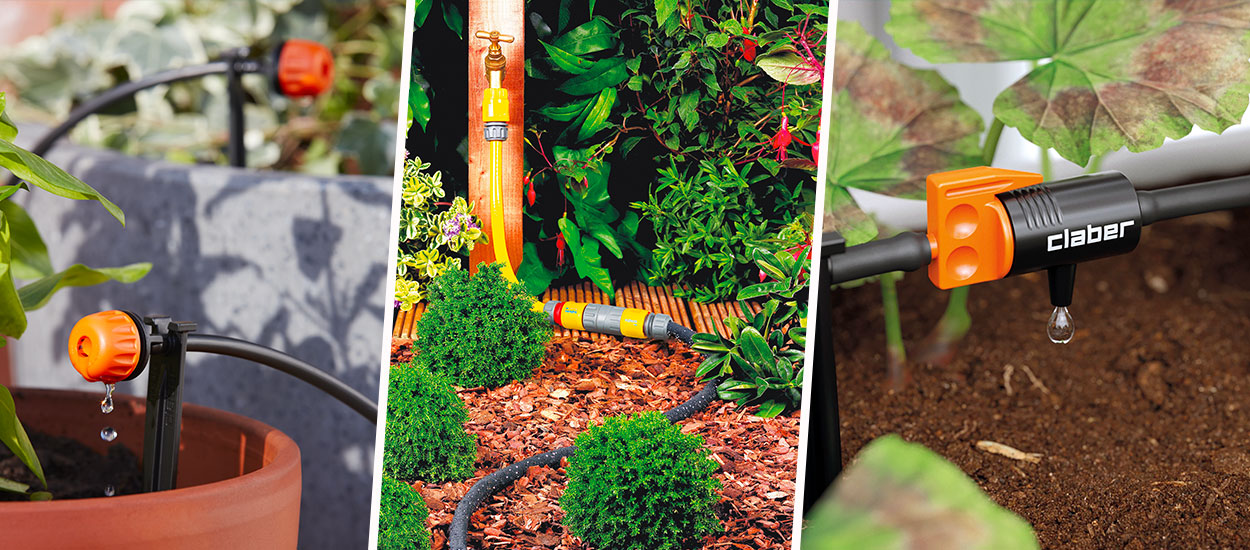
580,383
73,470
1141,420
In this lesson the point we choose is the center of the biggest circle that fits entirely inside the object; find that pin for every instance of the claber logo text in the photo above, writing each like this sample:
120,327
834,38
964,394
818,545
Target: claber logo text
1091,234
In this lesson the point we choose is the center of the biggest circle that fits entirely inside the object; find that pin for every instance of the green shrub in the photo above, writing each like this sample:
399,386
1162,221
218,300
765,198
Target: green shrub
425,437
401,518
639,483
480,330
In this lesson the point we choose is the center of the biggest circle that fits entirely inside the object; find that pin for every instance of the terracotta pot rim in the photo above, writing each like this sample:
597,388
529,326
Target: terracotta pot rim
286,458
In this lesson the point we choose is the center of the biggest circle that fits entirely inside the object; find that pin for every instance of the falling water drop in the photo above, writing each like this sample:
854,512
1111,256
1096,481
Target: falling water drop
1060,328
110,491
108,433
106,406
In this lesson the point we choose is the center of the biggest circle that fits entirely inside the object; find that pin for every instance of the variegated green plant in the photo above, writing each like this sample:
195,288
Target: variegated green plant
431,240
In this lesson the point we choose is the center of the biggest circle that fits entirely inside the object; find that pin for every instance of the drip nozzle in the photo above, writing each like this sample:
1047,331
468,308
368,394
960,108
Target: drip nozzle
495,60
109,346
1061,279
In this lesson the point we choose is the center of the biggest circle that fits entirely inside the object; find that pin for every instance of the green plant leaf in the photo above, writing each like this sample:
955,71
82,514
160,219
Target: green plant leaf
421,11
45,175
10,486
597,118
29,253
760,290
419,104
586,258
15,438
663,10
892,125
716,40
789,68
754,347
532,273
8,130
36,294
603,74
12,314
1118,74
590,37
567,112
454,19
895,491
566,61
770,409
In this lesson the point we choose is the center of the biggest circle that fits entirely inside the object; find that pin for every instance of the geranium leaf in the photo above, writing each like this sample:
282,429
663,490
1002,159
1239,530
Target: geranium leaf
1118,74
893,125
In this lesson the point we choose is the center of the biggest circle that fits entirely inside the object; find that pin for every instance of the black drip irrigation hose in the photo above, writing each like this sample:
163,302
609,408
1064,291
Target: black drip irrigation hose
257,353
458,534
1187,200
121,92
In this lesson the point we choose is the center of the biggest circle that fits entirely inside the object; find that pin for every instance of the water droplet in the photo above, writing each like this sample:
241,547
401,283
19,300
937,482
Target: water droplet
108,433
1060,328
106,406
110,491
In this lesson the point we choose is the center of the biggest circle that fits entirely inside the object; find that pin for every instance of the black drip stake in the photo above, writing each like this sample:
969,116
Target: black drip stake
824,441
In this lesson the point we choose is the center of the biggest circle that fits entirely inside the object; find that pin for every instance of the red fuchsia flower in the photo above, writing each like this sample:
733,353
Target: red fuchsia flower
783,138
748,46
528,184
816,147
560,249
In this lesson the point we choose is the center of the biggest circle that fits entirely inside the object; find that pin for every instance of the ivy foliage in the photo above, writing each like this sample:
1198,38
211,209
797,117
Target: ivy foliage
401,518
425,437
480,330
638,483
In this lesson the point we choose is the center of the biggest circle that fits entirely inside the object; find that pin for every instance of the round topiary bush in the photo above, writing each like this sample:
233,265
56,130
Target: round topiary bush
401,518
425,437
480,330
638,483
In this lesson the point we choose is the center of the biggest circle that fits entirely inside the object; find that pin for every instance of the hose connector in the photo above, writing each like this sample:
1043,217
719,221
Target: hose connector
604,319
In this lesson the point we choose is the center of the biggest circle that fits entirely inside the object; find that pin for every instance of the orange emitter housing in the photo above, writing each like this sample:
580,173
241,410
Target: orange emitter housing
969,230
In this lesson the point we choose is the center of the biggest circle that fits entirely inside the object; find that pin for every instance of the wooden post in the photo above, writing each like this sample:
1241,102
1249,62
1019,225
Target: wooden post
507,17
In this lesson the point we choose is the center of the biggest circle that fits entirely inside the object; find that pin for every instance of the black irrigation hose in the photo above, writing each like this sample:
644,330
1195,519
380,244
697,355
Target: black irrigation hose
1187,200
243,349
503,477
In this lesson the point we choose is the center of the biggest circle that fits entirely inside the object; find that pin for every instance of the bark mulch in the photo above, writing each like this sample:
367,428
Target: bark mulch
580,383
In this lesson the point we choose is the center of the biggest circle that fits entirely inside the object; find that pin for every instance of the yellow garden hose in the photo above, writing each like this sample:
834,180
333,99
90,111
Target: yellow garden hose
621,321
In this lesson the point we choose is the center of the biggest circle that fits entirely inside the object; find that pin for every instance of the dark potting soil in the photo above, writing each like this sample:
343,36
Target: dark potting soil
73,470
1141,419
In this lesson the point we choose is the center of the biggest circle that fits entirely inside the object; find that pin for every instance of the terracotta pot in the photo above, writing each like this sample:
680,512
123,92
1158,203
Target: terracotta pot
238,483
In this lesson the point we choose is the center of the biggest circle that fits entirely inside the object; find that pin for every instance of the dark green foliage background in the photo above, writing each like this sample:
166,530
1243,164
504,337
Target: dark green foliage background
401,518
638,483
480,330
425,437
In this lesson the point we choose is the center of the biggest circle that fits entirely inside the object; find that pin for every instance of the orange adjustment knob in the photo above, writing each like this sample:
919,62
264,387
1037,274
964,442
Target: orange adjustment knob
969,230
106,346
305,68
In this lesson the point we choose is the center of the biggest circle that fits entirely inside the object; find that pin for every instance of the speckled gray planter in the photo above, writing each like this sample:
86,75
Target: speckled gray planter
290,261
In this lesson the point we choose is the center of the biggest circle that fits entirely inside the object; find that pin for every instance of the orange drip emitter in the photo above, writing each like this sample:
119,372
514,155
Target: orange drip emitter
970,233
